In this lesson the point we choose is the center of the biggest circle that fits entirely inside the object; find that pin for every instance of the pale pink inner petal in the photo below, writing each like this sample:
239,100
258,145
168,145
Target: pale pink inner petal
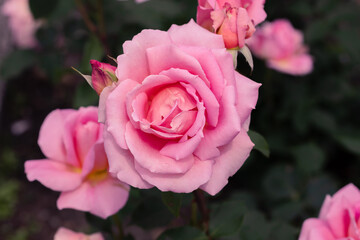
85,137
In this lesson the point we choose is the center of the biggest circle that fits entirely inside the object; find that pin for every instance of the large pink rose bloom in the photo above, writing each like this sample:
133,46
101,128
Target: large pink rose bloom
282,47
76,163
178,116
235,20
339,217
66,234
22,24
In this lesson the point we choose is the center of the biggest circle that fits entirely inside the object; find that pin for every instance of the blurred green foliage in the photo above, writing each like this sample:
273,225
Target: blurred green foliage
310,134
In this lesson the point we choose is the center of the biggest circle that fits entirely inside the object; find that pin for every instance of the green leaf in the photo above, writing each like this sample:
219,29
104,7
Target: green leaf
282,231
253,221
182,233
351,143
16,62
41,8
309,157
172,201
226,219
85,96
260,143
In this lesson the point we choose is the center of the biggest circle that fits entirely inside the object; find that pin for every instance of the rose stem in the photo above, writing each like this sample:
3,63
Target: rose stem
200,200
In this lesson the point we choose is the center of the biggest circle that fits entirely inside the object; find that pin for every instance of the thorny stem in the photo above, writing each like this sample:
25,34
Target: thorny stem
201,203
98,32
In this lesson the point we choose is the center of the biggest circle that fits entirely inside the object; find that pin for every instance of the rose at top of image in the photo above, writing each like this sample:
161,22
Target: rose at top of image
67,234
235,20
339,217
22,24
281,45
76,163
177,118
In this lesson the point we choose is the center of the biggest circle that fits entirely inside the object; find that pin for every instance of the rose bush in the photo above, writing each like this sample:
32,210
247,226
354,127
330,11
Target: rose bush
339,217
282,47
66,234
22,24
76,163
178,116
235,20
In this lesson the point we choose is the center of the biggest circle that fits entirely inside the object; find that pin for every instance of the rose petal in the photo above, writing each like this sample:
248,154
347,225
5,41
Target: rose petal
102,199
228,127
197,175
53,128
247,96
121,162
232,156
116,113
256,11
134,56
145,149
314,229
301,64
66,234
55,175
102,102
192,34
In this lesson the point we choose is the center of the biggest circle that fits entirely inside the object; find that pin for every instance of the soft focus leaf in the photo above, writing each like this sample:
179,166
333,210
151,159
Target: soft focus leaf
260,143
93,49
350,142
183,233
8,198
226,218
309,157
172,201
16,62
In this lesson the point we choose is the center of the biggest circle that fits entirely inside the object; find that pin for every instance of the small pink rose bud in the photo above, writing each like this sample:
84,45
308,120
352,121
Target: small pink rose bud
102,75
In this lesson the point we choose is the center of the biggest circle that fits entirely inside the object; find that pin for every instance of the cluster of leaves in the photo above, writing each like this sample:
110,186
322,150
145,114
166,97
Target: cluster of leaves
310,123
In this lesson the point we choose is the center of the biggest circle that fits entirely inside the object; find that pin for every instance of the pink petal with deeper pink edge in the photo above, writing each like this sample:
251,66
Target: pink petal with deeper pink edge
315,229
218,17
203,18
166,57
116,113
103,198
145,149
210,101
121,162
133,63
247,96
301,64
66,234
53,128
232,156
349,192
197,175
209,64
85,136
191,34
256,11
228,127
53,174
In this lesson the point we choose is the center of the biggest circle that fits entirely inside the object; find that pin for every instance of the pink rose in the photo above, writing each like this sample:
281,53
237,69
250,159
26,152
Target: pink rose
22,24
76,163
282,47
178,116
66,234
235,20
339,217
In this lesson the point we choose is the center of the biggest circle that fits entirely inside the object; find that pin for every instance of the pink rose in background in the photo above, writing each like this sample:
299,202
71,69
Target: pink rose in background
235,20
76,163
178,116
66,234
339,217
22,24
282,47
